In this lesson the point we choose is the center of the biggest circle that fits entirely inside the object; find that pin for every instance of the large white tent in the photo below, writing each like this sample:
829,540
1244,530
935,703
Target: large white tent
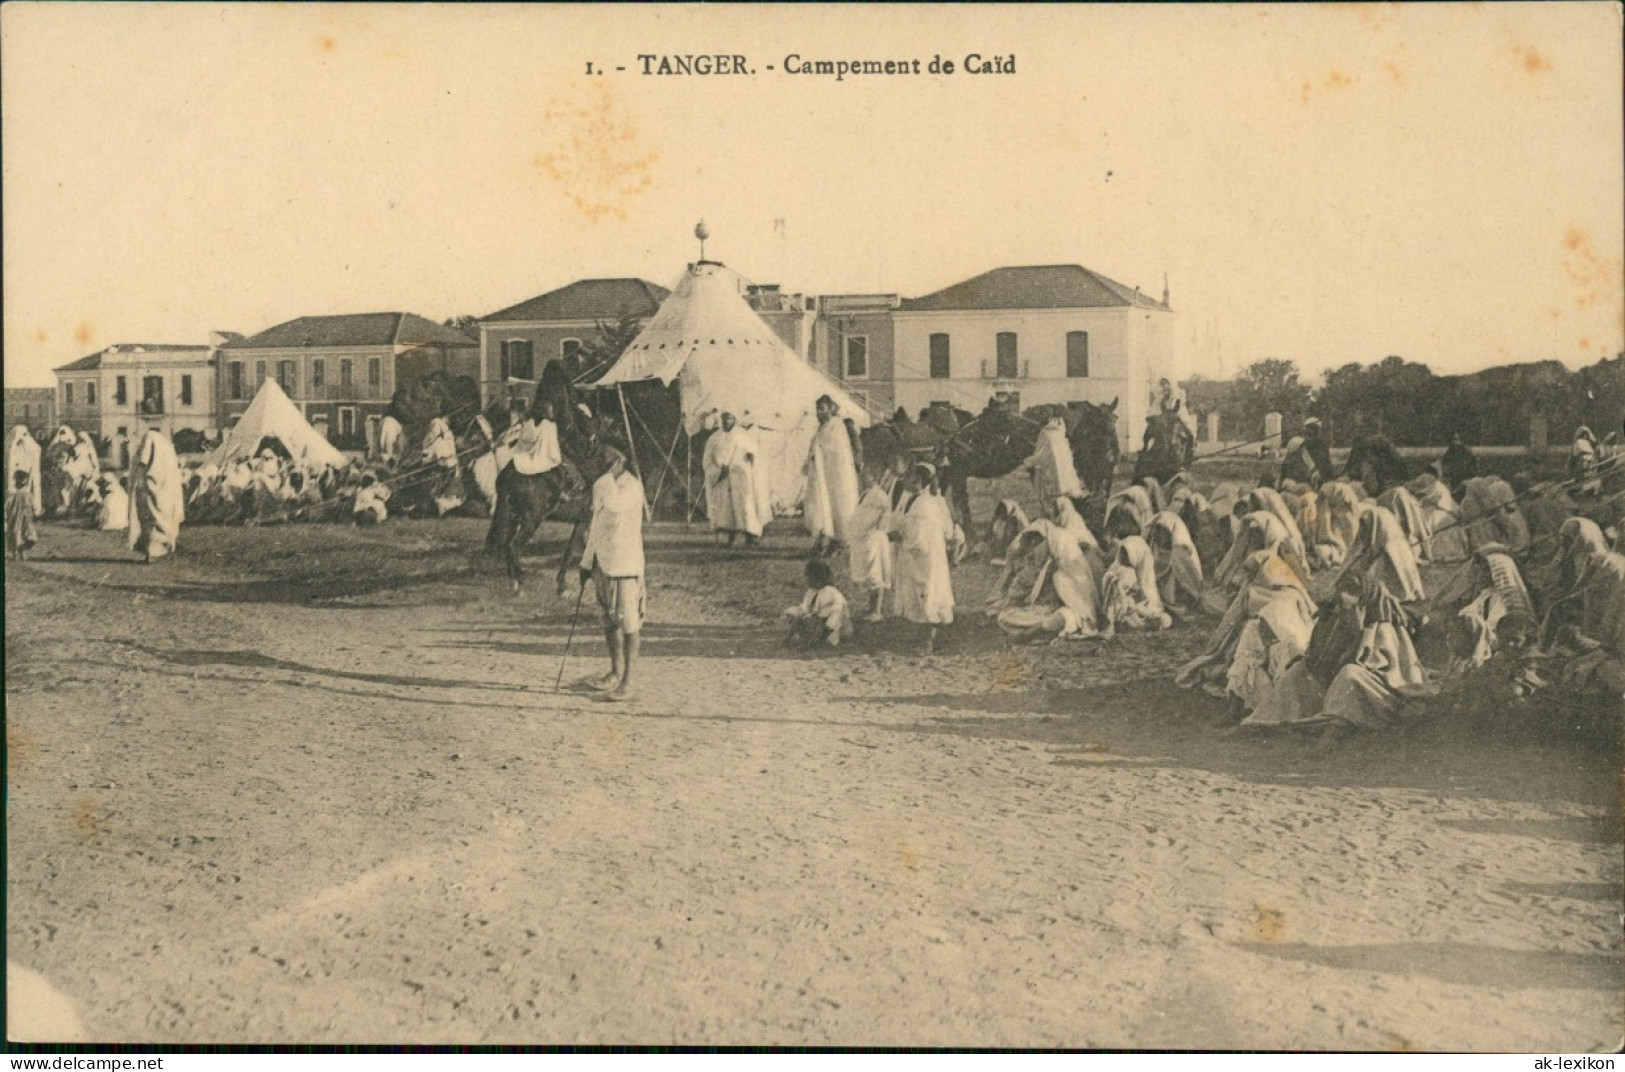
725,358
273,414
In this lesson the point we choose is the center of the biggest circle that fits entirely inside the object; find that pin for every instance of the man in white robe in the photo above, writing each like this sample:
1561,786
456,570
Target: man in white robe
157,501
23,456
730,482
391,440
832,480
1051,466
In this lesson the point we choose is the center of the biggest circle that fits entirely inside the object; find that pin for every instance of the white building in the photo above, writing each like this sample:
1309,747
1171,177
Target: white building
107,393
1050,333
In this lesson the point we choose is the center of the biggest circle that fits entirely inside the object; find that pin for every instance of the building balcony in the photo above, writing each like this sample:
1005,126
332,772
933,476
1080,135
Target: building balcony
990,371
341,392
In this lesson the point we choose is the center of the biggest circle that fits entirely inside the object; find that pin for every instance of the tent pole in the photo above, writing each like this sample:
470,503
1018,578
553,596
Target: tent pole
666,462
631,445
688,483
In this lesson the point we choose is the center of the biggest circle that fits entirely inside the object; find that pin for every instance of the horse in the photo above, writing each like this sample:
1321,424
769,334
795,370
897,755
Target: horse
1168,449
524,501
888,448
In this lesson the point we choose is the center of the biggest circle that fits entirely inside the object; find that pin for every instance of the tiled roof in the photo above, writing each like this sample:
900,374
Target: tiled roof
1049,286
94,361
353,329
589,299
84,364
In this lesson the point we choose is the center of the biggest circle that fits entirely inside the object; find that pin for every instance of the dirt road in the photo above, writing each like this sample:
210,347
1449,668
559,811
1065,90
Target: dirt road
312,785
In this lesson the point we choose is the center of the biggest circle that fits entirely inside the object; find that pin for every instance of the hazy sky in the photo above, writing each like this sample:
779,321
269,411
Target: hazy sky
1324,184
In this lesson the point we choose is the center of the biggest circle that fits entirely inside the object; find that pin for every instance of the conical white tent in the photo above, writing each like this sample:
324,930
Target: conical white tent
725,358
273,414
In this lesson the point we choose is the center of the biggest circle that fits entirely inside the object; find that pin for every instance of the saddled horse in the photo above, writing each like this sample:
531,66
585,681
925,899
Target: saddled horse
1168,449
525,501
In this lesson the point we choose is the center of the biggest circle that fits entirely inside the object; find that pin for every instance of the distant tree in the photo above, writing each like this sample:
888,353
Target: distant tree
1273,385
595,357
469,325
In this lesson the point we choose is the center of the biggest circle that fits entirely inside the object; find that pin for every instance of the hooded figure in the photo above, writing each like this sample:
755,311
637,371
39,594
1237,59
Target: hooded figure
1447,536
925,532
1381,548
23,456
1489,509
1051,466
1179,567
1063,598
1129,598
1261,576
157,505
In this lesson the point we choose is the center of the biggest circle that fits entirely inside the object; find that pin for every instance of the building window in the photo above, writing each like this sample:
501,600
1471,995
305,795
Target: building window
940,364
318,372
287,377
152,394
121,393
375,372
234,379
346,372
1077,354
186,390
259,374
67,394
346,423
90,393
857,357
570,350
518,360
1008,366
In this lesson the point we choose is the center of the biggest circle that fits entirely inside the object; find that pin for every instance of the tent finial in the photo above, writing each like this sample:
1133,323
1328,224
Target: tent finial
702,233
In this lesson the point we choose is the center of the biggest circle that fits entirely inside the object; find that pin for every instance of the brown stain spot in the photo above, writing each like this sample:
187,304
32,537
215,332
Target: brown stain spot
1596,278
1396,73
1269,924
84,333
595,155
1530,59
907,856
20,748
87,817
326,43
1331,82
1009,675
1584,344
39,335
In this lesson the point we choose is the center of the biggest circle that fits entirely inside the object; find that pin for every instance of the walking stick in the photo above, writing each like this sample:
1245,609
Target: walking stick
574,617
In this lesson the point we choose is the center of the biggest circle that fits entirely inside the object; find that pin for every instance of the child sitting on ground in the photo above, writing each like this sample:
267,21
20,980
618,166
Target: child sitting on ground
20,532
822,616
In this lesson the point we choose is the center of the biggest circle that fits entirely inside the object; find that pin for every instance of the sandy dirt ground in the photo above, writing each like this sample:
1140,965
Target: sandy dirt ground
312,784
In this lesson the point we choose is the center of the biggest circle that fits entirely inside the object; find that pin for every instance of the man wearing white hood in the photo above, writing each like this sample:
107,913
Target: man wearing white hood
23,456
730,482
1051,466
157,505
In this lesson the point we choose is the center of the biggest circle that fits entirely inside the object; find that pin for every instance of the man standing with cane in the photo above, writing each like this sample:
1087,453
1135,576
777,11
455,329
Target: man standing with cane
613,559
